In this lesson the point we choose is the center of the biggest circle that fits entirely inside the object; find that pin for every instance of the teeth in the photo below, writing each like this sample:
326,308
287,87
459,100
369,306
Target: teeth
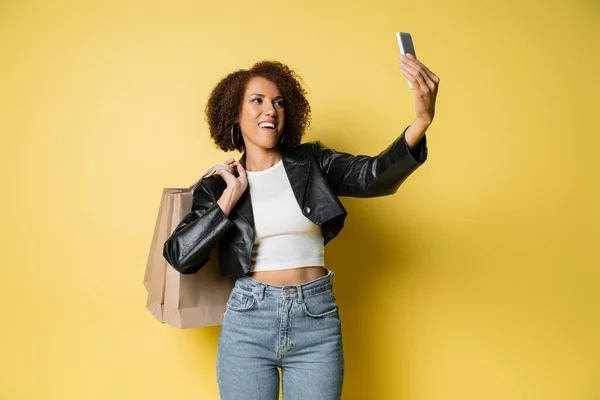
267,124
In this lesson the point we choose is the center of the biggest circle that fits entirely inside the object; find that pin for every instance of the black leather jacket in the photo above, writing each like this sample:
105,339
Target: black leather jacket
318,175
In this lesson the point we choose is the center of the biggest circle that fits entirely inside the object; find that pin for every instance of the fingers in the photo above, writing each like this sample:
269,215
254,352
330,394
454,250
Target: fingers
411,74
232,162
411,60
241,170
432,76
418,78
416,70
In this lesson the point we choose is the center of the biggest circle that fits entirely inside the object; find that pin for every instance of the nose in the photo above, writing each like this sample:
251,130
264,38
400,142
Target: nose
269,109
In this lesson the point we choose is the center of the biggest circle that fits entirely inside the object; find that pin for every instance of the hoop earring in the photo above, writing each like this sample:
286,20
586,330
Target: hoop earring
232,141
281,138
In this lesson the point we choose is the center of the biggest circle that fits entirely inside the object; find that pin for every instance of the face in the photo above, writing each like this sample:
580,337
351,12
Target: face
262,103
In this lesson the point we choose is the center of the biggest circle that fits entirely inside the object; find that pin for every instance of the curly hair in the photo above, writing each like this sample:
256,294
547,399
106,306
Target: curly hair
226,100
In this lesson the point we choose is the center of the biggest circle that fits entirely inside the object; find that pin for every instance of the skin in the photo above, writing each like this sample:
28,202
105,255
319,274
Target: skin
262,102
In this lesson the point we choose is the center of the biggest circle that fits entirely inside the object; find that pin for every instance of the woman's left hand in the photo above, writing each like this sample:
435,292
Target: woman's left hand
425,85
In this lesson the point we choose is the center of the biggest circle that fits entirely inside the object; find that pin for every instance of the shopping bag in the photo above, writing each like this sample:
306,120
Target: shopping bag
183,300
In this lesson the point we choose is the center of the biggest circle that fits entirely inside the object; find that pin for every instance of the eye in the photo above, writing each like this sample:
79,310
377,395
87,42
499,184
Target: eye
280,102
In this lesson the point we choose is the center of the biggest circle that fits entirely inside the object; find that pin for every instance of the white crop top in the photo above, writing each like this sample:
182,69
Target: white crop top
284,237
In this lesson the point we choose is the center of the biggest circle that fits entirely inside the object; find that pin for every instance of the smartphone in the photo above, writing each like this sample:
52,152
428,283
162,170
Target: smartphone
406,46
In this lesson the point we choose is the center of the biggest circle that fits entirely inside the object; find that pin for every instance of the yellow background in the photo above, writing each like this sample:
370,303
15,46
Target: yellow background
477,280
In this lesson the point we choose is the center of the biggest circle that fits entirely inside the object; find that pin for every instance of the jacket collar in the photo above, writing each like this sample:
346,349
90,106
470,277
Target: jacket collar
297,166
289,156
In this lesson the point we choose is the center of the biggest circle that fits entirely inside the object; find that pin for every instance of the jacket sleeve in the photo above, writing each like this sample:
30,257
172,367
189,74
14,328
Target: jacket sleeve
365,176
189,246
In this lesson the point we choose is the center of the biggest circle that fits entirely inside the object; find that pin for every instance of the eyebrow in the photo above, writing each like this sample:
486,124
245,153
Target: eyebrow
262,95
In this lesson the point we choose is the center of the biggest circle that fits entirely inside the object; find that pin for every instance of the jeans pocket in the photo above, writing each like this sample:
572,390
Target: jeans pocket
240,301
320,305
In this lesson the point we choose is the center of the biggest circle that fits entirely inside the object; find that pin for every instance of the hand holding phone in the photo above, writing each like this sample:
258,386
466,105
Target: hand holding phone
406,46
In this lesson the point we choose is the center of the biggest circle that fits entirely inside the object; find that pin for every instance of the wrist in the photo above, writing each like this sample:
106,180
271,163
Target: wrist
230,194
422,123
415,132
225,202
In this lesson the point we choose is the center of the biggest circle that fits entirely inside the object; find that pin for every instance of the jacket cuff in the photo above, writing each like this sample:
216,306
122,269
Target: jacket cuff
419,152
216,208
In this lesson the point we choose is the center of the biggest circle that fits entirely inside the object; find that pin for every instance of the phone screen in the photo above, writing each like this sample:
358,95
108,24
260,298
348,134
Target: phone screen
406,46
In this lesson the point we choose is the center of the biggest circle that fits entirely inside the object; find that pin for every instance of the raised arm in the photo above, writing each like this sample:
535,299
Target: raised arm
366,176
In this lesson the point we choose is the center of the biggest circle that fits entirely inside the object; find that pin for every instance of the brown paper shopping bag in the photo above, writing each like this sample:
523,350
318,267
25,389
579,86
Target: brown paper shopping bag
155,274
183,300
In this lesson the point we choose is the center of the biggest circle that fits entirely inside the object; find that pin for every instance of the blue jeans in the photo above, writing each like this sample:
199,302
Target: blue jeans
296,328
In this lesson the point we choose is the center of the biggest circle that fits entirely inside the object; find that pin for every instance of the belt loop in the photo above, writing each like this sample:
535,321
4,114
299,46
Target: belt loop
261,291
331,278
300,294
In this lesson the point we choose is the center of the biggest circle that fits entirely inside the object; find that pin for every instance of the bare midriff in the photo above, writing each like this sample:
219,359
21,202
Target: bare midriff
294,276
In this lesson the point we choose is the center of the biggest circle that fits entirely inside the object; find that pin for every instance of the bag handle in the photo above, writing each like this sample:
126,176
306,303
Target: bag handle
211,172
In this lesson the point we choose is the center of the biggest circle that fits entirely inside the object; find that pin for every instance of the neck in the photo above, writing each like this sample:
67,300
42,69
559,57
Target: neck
259,159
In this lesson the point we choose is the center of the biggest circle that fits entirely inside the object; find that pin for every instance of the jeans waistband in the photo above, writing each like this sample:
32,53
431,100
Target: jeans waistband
247,283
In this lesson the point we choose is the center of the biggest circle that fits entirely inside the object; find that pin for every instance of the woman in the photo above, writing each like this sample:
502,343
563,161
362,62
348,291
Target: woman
272,219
